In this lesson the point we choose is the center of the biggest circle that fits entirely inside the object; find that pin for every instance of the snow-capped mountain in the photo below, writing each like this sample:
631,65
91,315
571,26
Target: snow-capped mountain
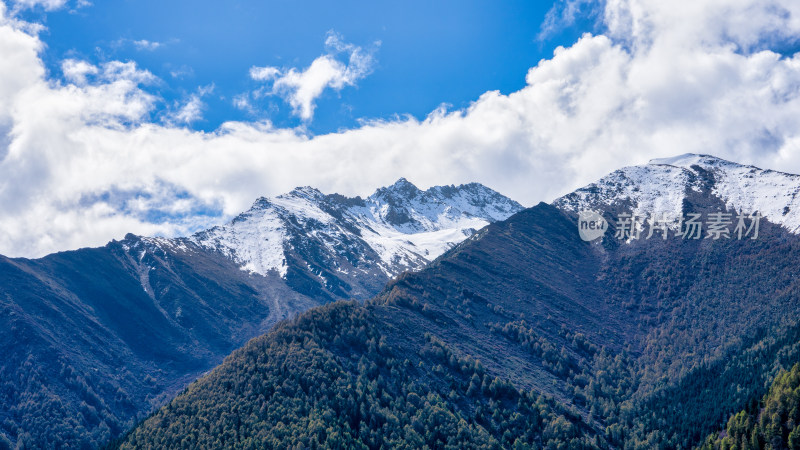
140,318
664,185
397,228
124,327
331,246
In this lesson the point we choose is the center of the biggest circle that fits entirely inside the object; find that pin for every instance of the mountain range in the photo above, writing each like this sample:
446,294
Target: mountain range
446,318
527,336
94,339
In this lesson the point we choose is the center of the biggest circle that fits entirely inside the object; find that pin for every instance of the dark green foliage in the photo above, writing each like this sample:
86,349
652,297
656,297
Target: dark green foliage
329,380
774,423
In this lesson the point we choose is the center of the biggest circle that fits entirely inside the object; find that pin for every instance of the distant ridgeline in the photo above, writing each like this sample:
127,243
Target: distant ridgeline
528,336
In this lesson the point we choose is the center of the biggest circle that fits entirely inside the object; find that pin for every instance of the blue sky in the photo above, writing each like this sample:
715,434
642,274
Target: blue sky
425,53
164,118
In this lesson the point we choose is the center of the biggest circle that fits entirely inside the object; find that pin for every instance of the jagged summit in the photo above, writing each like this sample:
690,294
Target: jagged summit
472,199
399,227
304,192
400,187
662,185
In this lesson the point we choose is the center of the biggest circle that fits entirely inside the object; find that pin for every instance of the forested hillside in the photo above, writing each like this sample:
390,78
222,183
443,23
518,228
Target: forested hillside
641,345
330,380
772,423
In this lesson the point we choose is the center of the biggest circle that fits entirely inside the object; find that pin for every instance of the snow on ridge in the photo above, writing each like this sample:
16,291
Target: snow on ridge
661,185
640,190
405,226
253,239
749,189
438,207
304,204
773,194
410,250
256,239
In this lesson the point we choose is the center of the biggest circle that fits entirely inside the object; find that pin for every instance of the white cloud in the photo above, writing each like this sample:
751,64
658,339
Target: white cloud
48,5
264,73
191,110
181,72
118,70
563,14
138,44
144,44
77,71
242,101
668,78
301,88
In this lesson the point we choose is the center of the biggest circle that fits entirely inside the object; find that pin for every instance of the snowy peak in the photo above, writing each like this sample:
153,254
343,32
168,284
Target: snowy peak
640,190
409,209
401,190
409,227
399,227
662,185
305,192
254,239
477,200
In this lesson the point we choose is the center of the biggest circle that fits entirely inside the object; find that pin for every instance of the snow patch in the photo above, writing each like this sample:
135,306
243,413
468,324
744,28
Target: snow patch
662,184
405,226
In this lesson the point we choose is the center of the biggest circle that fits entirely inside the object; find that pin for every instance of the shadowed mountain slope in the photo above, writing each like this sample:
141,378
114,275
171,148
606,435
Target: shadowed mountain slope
94,339
641,343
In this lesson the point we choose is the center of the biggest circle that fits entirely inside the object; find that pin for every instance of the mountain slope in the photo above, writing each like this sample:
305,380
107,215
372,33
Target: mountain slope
663,185
632,344
772,423
382,374
93,339
86,348
330,380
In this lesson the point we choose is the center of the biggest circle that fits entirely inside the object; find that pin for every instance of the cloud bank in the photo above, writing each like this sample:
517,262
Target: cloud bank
82,162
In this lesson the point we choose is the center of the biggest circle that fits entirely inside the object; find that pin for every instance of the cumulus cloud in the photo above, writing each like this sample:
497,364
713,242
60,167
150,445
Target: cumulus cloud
191,110
302,87
76,71
666,78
